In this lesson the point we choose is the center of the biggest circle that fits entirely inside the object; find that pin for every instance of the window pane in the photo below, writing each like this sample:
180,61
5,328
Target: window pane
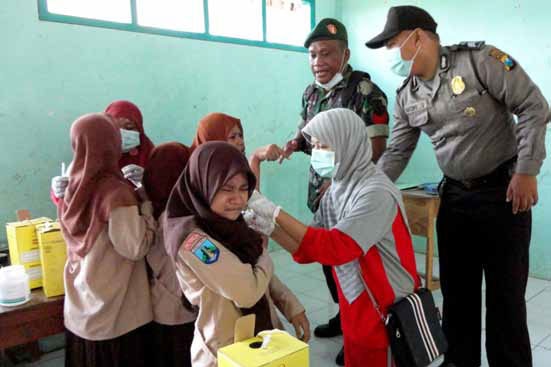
111,10
236,18
287,21
178,15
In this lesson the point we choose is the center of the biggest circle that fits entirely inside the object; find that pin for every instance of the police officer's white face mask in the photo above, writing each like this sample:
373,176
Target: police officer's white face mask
397,64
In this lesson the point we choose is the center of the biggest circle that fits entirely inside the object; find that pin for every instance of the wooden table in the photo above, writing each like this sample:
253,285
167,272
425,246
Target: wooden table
421,210
38,318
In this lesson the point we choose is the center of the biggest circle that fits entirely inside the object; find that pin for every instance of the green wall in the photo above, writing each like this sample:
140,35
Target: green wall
51,73
519,28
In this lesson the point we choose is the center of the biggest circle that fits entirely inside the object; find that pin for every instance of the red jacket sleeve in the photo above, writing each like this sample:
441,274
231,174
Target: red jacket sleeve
327,247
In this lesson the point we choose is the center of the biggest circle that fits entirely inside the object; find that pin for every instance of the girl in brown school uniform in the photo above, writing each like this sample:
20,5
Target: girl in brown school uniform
222,265
173,315
108,232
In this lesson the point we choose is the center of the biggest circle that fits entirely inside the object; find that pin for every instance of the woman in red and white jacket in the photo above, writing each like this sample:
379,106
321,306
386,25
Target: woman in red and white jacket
360,229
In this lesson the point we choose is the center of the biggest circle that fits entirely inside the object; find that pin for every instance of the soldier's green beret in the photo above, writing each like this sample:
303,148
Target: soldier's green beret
327,29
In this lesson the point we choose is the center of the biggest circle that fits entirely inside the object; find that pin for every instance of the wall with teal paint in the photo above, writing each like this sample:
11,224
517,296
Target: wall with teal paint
53,72
520,28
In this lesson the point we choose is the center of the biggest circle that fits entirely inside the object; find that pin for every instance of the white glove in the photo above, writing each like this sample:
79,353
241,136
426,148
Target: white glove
257,223
59,184
134,173
263,207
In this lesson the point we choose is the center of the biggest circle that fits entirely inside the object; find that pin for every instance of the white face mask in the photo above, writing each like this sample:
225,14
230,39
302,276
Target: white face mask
336,79
323,162
130,140
397,64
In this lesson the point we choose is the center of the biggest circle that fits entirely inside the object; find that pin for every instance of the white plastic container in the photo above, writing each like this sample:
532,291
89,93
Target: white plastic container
14,286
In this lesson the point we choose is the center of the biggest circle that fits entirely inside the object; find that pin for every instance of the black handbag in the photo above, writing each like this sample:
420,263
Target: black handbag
413,327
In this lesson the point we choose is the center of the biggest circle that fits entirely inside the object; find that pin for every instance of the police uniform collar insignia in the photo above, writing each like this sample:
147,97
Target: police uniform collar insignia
458,85
414,84
502,57
443,61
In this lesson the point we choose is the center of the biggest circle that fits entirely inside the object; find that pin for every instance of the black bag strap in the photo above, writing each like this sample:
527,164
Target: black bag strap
374,301
383,318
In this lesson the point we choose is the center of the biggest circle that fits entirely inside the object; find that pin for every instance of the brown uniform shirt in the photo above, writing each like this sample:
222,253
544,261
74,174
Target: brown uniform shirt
214,279
166,295
107,292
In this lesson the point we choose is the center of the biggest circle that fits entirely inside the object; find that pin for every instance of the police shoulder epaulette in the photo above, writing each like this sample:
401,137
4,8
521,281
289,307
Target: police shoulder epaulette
404,83
469,45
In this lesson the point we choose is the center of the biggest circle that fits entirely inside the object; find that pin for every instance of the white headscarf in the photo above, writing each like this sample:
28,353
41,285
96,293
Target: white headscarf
345,206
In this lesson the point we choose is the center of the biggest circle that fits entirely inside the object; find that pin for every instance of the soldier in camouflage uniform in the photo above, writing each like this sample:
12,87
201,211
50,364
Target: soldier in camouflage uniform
465,98
336,85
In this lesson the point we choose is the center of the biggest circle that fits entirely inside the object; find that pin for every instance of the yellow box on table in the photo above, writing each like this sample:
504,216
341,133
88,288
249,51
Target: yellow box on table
282,350
53,255
23,247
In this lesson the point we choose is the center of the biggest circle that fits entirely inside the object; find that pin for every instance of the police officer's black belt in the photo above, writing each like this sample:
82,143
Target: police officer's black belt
500,175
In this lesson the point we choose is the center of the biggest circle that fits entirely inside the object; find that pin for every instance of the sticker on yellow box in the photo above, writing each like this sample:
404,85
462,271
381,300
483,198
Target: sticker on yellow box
23,242
53,254
34,271
23,247
276,348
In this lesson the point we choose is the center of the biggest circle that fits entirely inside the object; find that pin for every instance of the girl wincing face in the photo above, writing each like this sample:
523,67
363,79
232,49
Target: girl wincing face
231,199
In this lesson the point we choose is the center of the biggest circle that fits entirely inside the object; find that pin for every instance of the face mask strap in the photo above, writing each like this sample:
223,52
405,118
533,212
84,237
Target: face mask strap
407,39
341,69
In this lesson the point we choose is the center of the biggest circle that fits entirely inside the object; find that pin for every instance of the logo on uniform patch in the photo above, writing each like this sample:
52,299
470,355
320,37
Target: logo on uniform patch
332,28
207,252
502,57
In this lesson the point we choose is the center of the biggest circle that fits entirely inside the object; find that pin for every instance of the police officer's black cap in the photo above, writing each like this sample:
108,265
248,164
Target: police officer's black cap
402,18
327,29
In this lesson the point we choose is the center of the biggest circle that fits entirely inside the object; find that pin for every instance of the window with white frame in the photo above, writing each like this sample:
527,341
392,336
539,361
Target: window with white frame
268,23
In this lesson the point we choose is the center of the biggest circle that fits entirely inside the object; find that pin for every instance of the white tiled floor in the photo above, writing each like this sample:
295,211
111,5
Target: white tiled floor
308,282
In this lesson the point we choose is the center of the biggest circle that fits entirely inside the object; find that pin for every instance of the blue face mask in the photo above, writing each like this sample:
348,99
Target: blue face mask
130,140
323,162
397,64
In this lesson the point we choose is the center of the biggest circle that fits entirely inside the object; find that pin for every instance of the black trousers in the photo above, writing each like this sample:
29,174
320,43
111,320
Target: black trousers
479,235
331,282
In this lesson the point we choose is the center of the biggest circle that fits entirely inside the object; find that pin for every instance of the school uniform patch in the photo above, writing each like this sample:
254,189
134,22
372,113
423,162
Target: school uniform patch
503,58
192,240
206,251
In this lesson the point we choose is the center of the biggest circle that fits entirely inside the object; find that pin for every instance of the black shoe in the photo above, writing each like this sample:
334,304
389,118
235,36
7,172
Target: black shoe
340,358
329,330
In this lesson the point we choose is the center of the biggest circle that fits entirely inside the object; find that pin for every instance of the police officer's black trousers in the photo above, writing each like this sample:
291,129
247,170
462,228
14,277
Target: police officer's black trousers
478,235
